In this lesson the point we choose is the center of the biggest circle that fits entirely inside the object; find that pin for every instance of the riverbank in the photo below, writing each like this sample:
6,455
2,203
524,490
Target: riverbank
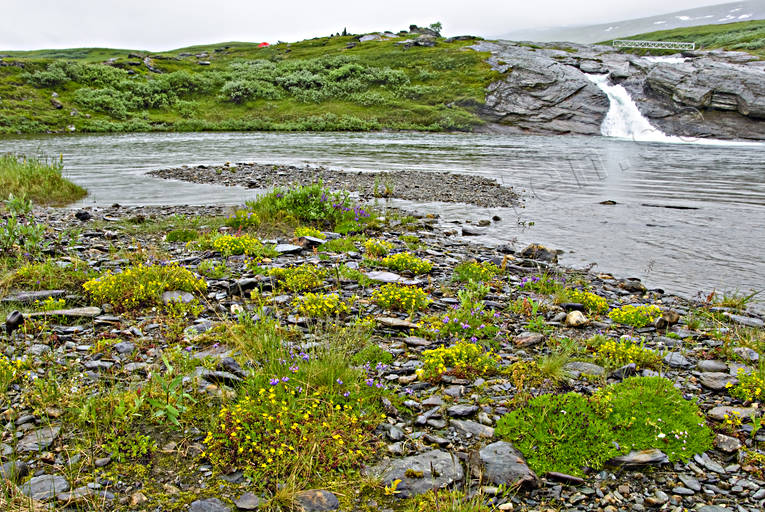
419,346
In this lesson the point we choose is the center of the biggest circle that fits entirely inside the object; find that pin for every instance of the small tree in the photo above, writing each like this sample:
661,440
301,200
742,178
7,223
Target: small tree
436,27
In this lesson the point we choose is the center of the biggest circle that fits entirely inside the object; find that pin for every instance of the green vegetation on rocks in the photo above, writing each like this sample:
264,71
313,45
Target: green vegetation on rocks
568,433
326,83
747,36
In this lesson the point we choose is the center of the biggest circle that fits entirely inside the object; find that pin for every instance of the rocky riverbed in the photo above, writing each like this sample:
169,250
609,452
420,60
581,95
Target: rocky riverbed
410,185
439,432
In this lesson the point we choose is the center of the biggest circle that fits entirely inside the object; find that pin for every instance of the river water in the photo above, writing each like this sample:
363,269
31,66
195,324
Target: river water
689,218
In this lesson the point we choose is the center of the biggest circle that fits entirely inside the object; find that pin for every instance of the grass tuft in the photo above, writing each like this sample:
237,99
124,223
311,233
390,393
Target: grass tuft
37,179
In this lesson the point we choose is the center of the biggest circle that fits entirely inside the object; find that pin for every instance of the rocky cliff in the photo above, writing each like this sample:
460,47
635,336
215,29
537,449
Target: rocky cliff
700,94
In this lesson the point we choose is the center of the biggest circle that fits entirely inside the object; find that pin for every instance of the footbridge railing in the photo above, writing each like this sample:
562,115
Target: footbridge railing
663,45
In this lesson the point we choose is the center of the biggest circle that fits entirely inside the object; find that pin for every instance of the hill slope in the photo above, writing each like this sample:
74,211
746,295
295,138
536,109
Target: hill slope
410,80
748,36
722,13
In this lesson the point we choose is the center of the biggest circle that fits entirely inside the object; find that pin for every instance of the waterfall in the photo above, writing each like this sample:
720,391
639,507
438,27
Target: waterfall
625,121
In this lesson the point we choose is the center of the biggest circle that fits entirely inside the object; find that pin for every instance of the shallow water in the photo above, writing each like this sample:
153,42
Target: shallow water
717,241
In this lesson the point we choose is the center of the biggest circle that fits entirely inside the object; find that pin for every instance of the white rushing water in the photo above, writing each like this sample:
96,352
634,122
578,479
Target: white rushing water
625,121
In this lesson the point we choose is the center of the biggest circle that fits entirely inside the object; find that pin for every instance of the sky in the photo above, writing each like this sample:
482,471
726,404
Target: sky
169,24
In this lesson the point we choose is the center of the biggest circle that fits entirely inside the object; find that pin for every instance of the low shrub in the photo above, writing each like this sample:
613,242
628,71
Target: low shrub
407,262
316,305
468,323
592,302
309,231
301,278
20,233
616,353
568,433
243,219
287,432
463,359
313,204
371,354
182,235
346,244
545,284
141,286
751,385
48,275
474,271
377,248
635,316
400,298
229,245
10,372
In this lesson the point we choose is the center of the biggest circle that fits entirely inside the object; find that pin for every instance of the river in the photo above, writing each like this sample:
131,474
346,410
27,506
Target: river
689,218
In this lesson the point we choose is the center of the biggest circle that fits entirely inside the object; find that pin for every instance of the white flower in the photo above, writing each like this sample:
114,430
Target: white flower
661,435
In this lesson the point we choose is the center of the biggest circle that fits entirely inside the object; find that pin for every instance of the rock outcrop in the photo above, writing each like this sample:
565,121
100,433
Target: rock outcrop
545,90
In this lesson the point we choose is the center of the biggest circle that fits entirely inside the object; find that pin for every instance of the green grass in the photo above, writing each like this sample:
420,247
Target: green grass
318,84
38,180
747,36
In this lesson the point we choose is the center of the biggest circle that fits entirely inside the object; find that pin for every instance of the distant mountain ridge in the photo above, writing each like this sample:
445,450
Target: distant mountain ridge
713,14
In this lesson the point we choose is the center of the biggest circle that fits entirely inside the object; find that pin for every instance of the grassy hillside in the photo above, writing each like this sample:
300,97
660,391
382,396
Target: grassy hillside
329,83
747,36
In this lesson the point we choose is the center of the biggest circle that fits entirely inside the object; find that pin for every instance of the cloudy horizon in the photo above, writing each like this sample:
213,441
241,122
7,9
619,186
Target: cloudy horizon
170,24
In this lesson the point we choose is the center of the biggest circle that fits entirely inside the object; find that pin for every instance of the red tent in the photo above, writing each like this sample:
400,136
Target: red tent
263,45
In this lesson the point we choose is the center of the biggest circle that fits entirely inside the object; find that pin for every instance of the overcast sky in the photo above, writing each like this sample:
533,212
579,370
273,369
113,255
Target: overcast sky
168,24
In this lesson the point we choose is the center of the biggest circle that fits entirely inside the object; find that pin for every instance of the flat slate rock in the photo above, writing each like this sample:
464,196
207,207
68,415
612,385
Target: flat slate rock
718,413
439,469
44,487
416,341
640,458
87,312
717,381
390,277
247,501
473,428
14,470
462,410
502,464
30,297
677,360
396,323
712,365
317,500
288,249
38,440
745,320
585,368
208,505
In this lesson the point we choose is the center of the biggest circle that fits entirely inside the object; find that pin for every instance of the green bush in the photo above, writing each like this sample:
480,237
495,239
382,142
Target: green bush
376,247
473,271
464,360
141,286
613,353
635,316
243,219
400,298
301,278
312,204
567,433
182,235
407,262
